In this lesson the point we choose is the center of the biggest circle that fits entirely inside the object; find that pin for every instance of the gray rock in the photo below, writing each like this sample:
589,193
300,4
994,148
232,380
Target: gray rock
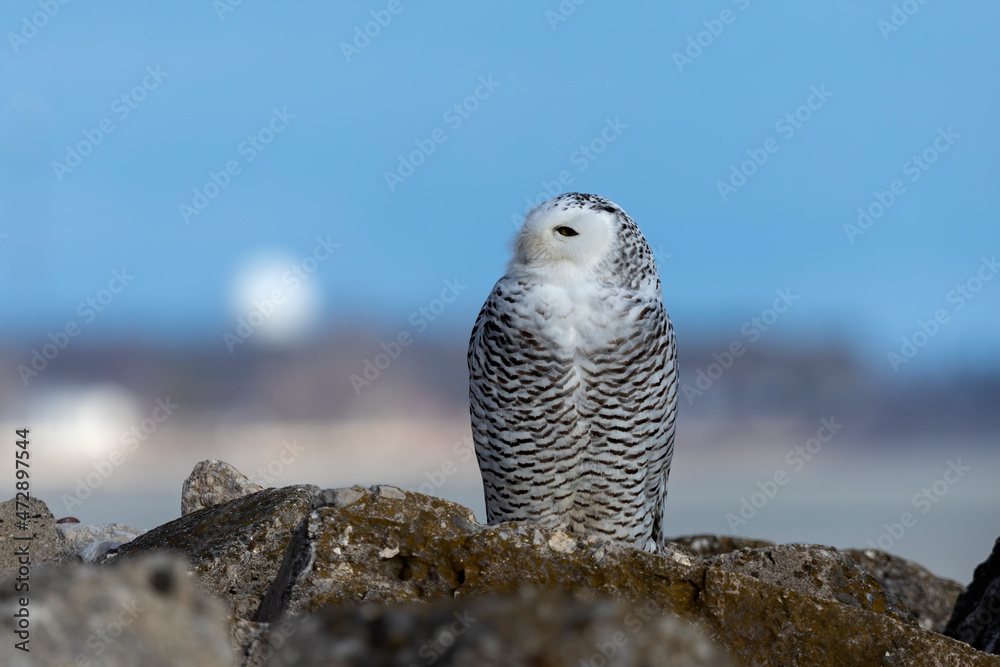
976,617
255,643
763,624
299,561
88,543
145,612
805,605
521,629
716,545
214,482
928,597
381,547
378,545
19,520
249,642
818,571
234,549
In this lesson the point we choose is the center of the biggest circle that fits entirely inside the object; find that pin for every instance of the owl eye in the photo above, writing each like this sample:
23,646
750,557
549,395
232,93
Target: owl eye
566,231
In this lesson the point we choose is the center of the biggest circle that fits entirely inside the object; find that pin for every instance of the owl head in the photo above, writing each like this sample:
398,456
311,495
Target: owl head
575,237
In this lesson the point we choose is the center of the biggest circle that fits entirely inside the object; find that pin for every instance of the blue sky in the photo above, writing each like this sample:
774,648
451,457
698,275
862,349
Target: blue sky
672,130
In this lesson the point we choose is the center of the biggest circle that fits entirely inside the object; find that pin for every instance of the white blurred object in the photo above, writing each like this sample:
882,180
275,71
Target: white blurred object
84,422
276,296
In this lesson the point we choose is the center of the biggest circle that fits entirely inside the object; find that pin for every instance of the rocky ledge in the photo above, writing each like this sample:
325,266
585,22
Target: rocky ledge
356,576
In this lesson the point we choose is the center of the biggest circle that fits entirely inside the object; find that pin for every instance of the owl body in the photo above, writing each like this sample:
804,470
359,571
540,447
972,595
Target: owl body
573,379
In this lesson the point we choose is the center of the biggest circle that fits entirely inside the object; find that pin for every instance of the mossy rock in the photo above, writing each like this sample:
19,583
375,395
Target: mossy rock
235,548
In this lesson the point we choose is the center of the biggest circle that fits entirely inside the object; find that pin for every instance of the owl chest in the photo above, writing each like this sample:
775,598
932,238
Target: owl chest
577,322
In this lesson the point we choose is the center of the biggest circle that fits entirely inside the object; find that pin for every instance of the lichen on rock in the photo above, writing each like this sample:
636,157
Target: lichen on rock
307,573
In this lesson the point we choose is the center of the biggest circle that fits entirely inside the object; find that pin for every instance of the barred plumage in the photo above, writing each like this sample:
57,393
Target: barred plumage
573,377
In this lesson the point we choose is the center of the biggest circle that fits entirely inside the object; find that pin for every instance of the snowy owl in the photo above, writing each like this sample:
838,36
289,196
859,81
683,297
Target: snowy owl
573,377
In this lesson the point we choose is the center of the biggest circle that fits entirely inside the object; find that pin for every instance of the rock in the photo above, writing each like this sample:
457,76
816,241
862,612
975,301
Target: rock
771,605
928,597
234,549
374,545
522,629
45,548
762,624
716,545
214,482
307,572
55,542
88,543
822,572
976,617
255,643
249,642
146,612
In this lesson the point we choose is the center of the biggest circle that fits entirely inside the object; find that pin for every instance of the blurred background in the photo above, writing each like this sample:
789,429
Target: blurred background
262,233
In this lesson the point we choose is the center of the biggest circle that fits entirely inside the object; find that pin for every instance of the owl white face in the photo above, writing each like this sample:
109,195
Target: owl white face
571,242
